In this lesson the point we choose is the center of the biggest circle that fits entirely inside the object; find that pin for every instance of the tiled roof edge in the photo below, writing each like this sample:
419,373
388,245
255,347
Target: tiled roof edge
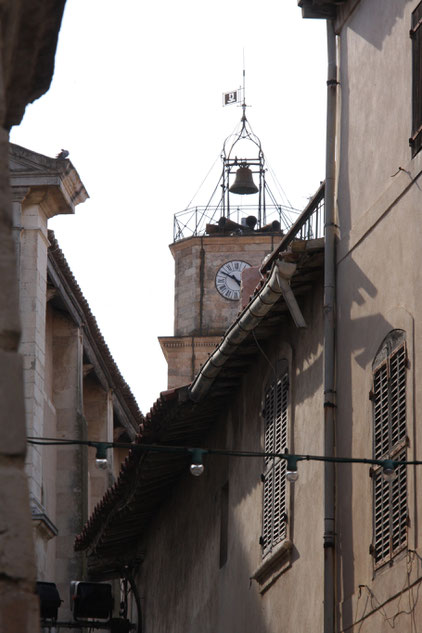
56,254
150,434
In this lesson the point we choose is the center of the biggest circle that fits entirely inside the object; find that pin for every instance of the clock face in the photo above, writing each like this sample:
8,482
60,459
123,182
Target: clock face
228,277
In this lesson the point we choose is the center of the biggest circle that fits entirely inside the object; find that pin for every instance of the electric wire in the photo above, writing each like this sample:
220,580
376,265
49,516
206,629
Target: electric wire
134,589
281,190
264,354
189,450
208,173
202,183
378,607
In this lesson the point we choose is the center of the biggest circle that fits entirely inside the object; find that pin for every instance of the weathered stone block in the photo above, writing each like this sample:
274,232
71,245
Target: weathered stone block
16,548
19,609
9,314
12,410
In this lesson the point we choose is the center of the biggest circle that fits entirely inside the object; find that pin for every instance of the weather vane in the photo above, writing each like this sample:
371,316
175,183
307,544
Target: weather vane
235,96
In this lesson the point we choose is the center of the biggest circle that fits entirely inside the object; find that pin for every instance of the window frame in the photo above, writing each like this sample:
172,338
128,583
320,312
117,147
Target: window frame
390,441
415,33
275,501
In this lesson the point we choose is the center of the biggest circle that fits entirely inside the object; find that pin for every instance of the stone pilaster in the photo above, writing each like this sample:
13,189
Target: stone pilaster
18,196
98,412
67,399
33,289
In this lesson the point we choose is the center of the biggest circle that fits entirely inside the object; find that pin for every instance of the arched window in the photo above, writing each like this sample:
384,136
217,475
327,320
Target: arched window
389,442
275,414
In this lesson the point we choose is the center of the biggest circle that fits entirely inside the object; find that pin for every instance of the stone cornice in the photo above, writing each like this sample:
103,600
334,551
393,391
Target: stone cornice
169,343
188,341
54,182
237,241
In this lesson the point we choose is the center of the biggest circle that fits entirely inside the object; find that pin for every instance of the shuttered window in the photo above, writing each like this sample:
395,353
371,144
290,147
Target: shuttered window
416,35
274,519
390,442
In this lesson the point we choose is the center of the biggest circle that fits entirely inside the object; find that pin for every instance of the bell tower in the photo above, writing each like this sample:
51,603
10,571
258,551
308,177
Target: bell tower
213,245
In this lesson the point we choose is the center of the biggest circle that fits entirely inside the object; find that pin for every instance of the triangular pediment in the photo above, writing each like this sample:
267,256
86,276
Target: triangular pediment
26,161
34,171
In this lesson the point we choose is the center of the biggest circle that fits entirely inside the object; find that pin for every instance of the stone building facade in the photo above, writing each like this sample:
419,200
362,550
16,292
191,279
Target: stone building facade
73,389
29,37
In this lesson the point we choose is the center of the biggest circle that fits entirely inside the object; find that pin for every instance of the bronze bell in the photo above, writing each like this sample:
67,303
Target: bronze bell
243,184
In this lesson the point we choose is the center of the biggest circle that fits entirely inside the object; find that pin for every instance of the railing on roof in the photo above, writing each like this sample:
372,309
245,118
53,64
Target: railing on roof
193,222
309,225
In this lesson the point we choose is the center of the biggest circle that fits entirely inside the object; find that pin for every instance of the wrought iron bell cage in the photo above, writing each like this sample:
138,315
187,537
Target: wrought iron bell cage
224,203
231,164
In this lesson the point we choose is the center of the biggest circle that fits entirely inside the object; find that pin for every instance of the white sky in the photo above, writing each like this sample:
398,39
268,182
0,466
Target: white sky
136,99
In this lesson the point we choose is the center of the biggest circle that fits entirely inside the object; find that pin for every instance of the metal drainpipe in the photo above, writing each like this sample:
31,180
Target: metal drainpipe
329,336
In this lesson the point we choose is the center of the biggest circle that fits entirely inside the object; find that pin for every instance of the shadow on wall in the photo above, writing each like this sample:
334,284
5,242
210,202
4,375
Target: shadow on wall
357,343
364,127
183,568
376,27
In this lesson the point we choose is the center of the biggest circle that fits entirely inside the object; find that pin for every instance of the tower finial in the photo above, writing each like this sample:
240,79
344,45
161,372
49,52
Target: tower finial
244,91
244,79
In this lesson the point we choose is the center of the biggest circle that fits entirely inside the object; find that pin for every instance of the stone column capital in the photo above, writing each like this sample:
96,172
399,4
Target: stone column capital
19,193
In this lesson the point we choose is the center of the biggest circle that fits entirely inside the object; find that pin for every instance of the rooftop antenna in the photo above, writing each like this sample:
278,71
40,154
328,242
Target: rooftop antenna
244,89
244,76
242,169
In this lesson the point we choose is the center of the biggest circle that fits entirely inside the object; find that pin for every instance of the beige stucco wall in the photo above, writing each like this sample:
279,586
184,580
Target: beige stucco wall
376,107
379,198
182,587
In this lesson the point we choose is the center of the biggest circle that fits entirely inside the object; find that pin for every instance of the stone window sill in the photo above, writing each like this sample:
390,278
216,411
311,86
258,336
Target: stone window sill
273,565
41,520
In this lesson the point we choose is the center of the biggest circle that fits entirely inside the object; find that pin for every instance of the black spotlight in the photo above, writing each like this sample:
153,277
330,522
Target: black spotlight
91,600
49,600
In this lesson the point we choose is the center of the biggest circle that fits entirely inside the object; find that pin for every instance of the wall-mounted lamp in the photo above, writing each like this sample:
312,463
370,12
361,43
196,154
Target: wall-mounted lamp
101,461
292,474
197,466
389,466
389,470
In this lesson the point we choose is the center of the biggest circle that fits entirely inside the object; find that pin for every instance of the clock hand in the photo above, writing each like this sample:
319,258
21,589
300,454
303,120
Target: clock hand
236,279
232,277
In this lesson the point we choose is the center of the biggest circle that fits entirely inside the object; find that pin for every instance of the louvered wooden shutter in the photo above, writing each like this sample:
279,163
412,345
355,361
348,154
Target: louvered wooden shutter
399,507
398,362
389,415
267,512
274,495
416,35
381,441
